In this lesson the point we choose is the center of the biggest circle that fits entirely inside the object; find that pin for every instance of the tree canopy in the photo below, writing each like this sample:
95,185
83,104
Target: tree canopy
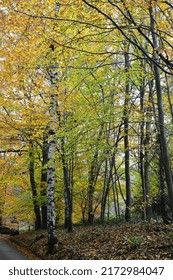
86,111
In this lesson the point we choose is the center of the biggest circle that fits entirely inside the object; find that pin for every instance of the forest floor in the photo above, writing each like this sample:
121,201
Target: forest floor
139,241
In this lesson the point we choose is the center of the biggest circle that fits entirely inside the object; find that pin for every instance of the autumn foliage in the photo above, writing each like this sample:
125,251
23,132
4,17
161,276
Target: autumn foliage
86,112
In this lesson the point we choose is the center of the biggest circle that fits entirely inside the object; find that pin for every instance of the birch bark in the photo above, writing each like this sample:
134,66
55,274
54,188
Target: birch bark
51,161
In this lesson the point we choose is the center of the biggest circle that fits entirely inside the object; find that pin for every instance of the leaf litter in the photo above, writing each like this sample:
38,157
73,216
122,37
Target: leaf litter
145,241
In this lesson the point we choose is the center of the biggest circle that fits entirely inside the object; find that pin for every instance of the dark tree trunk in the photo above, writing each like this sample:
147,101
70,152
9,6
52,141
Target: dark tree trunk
146,151
90,196
107,181
141,153
34,187
162,138
103,202
145,131
164,212
68,200
126,141
67,190
93,175
169,96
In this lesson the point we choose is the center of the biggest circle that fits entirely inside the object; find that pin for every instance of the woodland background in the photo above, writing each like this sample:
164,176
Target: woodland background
86,115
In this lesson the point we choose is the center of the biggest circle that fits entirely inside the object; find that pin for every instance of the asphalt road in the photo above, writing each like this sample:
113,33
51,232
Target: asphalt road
9,253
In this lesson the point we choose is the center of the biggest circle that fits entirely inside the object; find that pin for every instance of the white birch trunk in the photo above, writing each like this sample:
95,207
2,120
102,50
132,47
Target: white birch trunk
51,163
53,78
50,190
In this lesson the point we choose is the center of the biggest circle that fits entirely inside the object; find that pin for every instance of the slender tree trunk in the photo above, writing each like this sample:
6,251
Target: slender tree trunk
108,179
169,96
141,152
67,190
90,195
93,174
165,215
103,202
117,190
162,138
44,180
114,199
126,141
34,186
145,132
50,195
51,178
146,151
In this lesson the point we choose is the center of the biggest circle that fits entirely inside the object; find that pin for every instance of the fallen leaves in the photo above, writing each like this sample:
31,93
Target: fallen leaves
120,242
